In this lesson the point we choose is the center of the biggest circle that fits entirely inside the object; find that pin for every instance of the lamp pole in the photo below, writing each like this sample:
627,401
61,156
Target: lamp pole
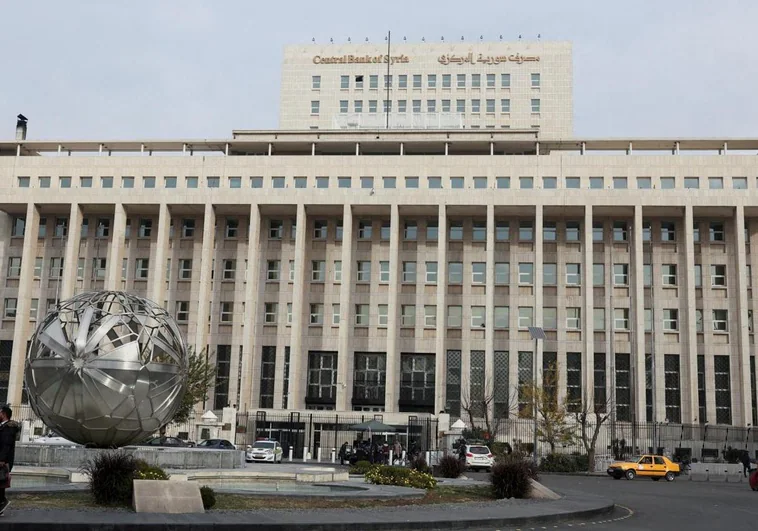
536,333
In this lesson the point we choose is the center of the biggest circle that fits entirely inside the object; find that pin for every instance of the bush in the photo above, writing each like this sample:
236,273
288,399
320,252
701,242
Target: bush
110,477
501,448
209,497
732,455
361,467
564,463
510,479
451,467
419,464
400,477
145,471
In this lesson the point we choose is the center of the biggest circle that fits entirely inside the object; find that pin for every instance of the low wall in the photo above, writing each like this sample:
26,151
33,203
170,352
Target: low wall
42,455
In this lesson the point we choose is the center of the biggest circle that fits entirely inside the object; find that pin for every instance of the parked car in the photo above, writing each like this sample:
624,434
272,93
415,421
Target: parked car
265,450
54,439
166,442
479,456
651,466
216,444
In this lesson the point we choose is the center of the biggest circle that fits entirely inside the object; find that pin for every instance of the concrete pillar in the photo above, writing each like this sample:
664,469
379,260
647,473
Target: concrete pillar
489,321
392,391
298,358
116,252
689,365
71,259
157,281
740,373
345,356
250,391
204,286
538,299
441,362
22,329
589,308
637,311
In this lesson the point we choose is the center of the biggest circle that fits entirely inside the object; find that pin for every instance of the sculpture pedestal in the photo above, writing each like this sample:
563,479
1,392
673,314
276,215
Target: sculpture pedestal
171,497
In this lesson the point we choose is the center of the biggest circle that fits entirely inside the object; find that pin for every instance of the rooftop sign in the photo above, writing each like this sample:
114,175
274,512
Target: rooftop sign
360,59
489,59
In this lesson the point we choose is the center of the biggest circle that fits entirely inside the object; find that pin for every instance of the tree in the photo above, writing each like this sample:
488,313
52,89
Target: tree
591,415
201,376
552,417
487,411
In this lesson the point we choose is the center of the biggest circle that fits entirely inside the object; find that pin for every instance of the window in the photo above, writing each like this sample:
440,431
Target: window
364,230
619,183
99,268
597,232
372,106
320,229
42,229
383,315
140,272
535,81
535,105
358,106
256,182
490,106
277,182
454,316
501,317
84,182
38,264
478,272
550,318
389,182
475,106
232,228
10,308
598,319
502,273
416,104
14,267
430,316
526,231
480,183
315,106
720,320
273,269
431,106
670,319
477,316
385,231
502,231
549,183
384,271
698,276
715,183
322,377
716,231
620,231
692,183
214,182
597,183
456,230
316,314
739,183
718,275
56,267
188,228
549,274
621,318
526,183
432,231
318,270
18,227
669,274
573,274
227,312
407,315
525,316
435,182
572,231
461,80
644,183
431,273
275,229
316,82
409,272
549,231
445,105
723,390
455,272
344,82
364,271
335,314
410,231
668,231
460,106
411,182
145,228
270,311
621,274
361,314
456,182
185,269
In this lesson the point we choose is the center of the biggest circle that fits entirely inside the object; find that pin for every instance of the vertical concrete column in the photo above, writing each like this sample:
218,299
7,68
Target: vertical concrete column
158,277
589,308
298,358
441,362
489,320
21,330
392,391
740,374
538,266
344,356
71,259
637,298
249,387
689,366
116,252
204,286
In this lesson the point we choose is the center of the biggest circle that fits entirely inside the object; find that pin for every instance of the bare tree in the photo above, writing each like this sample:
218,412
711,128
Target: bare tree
551,416
487,412
591,415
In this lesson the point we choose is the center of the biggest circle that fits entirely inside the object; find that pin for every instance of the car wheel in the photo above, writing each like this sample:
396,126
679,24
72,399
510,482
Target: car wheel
670,476
630,474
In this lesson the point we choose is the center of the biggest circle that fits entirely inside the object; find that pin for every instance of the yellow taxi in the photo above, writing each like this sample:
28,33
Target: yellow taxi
654,467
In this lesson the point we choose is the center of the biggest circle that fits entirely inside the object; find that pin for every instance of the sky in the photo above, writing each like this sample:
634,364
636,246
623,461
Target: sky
86,69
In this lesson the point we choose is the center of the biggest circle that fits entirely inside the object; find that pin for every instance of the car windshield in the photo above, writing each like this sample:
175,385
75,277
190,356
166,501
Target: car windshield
479,450
264,444
207,443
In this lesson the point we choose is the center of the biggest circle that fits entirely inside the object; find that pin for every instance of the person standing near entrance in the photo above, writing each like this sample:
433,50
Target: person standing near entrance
745,458
8,430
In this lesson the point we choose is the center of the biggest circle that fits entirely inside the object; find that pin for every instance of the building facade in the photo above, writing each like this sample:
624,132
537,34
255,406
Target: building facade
484,85
399,271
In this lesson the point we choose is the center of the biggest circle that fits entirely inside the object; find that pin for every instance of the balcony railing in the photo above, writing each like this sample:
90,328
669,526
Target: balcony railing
418,120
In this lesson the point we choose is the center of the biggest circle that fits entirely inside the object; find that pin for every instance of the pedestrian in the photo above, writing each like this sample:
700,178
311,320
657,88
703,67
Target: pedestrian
745,458
397,450
343,453
8,431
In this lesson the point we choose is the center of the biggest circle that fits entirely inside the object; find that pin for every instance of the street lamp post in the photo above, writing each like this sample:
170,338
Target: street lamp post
536,333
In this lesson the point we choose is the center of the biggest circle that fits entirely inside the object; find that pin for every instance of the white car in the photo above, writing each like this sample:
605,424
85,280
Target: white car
479,456
265,450
54,440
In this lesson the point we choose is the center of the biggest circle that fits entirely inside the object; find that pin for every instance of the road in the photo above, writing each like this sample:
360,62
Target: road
682,504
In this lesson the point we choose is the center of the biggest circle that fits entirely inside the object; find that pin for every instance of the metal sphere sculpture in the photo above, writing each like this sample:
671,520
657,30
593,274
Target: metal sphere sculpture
106,369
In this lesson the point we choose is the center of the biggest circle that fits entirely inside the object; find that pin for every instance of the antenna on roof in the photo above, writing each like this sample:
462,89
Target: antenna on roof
348,39
481,37
539,36
423,39
519,36
501,37
313,40
404,39
366,39
442,38
331,40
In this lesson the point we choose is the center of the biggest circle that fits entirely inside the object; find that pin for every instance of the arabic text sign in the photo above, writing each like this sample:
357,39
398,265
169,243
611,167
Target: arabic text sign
488,59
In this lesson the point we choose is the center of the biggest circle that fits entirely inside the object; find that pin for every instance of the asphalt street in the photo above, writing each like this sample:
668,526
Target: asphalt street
681,504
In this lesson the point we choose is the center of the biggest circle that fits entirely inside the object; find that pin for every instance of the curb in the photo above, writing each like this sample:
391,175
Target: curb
570,507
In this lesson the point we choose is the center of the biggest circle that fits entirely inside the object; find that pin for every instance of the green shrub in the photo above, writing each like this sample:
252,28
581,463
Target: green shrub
145,471
564,463
361,467
501,448
110,477
419,464
400,477
209,497
450,466
510,479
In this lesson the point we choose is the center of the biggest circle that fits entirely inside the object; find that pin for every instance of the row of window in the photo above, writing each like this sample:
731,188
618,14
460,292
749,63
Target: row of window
411,182
432,106
416,81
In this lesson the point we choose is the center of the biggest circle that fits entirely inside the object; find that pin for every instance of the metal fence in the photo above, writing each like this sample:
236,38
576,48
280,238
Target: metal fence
314,432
